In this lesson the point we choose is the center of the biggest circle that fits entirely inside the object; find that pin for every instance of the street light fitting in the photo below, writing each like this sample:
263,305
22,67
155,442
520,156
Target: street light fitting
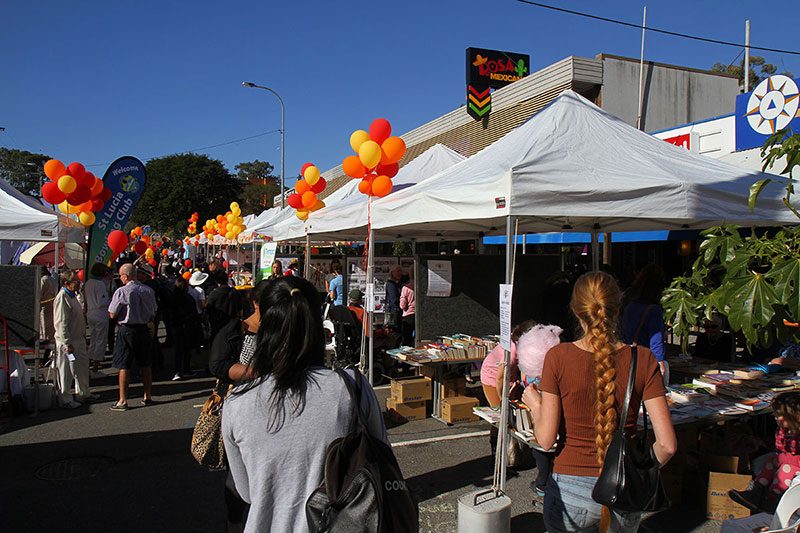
283,133
248,84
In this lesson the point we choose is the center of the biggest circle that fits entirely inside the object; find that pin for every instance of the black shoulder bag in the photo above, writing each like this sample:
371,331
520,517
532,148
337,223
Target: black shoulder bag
630,479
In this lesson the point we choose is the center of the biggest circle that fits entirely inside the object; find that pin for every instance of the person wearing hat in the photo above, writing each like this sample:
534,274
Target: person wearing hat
196,290
355,304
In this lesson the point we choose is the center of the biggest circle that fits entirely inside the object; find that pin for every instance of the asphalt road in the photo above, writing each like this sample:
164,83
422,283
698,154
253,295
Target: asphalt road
91,469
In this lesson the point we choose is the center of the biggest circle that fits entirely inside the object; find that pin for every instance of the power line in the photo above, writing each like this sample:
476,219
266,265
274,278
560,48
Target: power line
204,147
675,34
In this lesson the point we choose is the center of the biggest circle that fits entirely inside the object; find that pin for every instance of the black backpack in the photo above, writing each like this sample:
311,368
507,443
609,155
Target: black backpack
363,489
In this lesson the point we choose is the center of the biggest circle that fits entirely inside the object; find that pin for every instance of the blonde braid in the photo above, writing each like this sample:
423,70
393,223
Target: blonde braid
596,300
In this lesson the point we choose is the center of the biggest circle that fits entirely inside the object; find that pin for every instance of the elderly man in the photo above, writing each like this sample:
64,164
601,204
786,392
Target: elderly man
134,305
72,358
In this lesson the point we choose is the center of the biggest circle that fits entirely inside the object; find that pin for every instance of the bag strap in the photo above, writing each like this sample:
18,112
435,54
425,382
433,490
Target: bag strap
631,376
641,324
355,391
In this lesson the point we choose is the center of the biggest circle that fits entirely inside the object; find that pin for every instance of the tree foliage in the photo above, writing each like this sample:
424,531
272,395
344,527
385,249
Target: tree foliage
179,185
22,170
756,62
754,281
260,186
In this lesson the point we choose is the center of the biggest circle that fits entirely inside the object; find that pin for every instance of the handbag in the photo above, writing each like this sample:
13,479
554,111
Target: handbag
630,479
207,447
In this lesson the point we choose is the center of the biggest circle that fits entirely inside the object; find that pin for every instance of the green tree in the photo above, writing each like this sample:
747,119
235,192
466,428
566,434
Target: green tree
756,62
259,185
22,170
179,185
754,281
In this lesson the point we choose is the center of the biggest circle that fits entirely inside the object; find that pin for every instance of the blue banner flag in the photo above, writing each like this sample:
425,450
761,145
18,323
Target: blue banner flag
125,178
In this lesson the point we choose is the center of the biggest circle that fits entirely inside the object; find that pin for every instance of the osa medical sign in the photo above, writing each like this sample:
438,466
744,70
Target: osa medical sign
771,106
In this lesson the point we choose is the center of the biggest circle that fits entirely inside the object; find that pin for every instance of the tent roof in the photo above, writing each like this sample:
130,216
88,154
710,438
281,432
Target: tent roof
345,213
24,219
574,166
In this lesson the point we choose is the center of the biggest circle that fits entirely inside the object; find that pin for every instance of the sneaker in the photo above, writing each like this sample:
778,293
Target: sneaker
540,491
72,404
177,377
751,497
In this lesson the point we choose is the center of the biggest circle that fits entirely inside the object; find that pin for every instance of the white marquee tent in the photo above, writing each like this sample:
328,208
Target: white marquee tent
24,219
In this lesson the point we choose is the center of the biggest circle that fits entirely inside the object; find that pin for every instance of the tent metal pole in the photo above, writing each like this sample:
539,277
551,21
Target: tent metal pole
503,429
595,249
371,305
641,73
307,266
416,289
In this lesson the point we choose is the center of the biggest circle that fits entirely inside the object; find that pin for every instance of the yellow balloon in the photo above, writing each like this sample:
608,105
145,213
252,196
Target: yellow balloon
302,214
229,235
148,253
311,175
234,206
67,184
369,153
357,139
231,218
86,218
236,230
236,211
64,207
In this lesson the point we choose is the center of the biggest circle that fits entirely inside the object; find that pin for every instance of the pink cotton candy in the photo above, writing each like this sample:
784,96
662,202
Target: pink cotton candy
533,346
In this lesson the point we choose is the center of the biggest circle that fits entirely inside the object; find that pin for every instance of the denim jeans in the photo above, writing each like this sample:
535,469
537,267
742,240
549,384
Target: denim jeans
568,506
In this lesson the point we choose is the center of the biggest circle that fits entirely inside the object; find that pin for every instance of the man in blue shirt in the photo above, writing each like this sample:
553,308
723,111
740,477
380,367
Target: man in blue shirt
336,286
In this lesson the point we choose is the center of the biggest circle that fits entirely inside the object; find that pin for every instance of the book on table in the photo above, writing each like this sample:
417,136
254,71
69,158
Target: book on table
752,404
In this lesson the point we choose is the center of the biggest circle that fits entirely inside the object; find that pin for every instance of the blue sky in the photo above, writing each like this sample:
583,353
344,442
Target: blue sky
91,81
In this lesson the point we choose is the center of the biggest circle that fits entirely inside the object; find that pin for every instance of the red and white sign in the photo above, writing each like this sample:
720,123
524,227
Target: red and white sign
680,140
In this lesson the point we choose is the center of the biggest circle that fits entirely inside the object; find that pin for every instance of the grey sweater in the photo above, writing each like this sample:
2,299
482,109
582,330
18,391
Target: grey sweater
276,471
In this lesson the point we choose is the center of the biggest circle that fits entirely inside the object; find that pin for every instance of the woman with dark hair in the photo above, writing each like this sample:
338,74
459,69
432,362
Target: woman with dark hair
278,425
643,317
582,391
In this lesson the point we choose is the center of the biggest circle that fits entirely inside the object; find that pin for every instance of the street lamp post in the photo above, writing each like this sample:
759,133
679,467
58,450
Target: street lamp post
249,84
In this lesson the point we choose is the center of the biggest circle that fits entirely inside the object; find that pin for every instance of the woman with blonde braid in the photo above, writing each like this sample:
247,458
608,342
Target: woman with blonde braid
579,401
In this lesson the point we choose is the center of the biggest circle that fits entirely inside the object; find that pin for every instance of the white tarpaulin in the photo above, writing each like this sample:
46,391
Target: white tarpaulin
24,219
344,216
575,167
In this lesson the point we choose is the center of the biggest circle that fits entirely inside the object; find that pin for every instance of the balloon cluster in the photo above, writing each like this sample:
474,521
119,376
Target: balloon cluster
192,229
229,225
377,160
74,190
304,199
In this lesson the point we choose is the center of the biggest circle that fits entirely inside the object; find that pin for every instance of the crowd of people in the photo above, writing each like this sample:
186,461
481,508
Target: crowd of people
266,348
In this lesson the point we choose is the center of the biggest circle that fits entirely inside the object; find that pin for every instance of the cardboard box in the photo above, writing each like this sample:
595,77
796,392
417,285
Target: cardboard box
406,412
718,505
411,389
453,387
458,409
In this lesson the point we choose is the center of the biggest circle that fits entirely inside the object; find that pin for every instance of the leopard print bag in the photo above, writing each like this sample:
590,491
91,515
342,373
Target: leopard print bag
207,447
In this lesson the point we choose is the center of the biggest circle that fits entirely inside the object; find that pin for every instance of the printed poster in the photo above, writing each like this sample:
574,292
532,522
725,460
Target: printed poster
506,291
440,278
265,260
357,278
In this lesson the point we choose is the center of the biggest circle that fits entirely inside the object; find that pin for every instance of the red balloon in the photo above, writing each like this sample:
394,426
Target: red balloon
152,263
87,179
151,247
52,194
158,244
76,170
117,241
97,205
81,194
302,187
380,130
188,263
80,274
389,170
225,265
294,200
106,194
319,186
304,167
140,247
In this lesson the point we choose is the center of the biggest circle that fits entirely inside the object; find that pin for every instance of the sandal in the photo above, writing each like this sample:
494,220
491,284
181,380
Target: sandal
149,402
119,407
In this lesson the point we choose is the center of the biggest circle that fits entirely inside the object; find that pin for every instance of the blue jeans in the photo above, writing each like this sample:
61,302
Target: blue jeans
568,506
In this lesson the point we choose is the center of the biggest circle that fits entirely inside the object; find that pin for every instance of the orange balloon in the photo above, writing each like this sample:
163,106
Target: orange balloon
353,167
309,199
365,186
97,186
369,153
302,187
164,252
137,230
54,169
187,275
146,238
317,206
85,207
392,150
381,186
